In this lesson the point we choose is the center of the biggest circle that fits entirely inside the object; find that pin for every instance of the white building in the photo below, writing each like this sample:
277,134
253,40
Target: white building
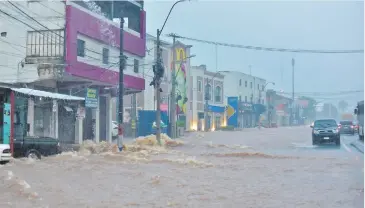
69,47
206,85
149,93
249,89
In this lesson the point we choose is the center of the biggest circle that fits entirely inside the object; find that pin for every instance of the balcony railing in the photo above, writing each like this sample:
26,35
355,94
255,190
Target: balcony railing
45,43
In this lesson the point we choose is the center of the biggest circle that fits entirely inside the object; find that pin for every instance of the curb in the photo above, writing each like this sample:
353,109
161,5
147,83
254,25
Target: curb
357,148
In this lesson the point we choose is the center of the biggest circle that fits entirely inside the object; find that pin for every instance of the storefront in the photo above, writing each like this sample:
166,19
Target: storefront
245,115
215,116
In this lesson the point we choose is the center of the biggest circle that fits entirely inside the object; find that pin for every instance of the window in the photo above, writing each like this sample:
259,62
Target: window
199,86
240,98
240,82
246,99
80,48
251,85
258,86
251,98
136,66
105,56
218,92
208,92
245,83
263,87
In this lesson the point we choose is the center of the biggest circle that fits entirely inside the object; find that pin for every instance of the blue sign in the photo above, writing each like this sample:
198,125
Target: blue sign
232,111
91,98
216,109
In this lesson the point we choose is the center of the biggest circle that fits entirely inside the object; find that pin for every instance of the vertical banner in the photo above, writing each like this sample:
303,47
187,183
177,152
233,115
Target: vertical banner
232,109
7,123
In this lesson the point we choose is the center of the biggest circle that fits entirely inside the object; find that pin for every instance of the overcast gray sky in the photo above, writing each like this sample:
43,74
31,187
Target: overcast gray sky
282,24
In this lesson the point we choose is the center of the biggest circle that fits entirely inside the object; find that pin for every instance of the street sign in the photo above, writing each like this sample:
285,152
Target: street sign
91,98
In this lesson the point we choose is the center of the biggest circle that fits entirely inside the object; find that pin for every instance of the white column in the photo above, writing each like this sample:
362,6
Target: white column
109,113
55,118
30,116
79,129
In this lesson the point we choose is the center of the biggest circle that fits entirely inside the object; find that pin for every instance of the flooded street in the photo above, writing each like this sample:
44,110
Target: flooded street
252,168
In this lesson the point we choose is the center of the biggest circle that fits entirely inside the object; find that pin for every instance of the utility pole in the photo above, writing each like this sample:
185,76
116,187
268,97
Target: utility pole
159,71
173,90
121,87
292,105
157,79
206,105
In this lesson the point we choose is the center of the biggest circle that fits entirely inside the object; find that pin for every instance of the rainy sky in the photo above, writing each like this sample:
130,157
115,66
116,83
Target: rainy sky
327,25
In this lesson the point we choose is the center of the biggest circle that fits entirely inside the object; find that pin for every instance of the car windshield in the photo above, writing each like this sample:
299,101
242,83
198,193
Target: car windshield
346,122
325,123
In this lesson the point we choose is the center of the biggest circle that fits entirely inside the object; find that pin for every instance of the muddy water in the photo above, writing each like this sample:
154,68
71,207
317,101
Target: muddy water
202,173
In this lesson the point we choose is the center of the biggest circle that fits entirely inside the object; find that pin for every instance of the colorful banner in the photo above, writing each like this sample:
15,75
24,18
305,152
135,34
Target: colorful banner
7,123
181,79
232,109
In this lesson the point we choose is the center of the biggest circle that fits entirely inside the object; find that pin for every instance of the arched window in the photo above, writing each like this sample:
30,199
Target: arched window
208,92
218,94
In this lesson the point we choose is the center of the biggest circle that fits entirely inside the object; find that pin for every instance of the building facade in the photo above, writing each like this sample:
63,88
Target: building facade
72,47
251,93
207,100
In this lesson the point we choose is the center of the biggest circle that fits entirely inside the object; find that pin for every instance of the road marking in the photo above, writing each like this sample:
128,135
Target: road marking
345,146
357,148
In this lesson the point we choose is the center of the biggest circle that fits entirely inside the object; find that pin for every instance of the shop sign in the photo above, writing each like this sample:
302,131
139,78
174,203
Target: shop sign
91,98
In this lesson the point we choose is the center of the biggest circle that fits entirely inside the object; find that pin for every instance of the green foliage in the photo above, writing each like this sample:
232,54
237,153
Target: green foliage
310,111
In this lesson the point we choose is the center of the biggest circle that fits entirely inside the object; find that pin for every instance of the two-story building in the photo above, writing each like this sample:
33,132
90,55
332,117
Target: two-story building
72,47
207,100
250,91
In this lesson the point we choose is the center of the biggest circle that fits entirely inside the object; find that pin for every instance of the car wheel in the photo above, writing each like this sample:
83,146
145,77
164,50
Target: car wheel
338,141
33,154
4,162
314,141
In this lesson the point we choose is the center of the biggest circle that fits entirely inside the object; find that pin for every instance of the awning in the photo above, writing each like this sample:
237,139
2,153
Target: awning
51,95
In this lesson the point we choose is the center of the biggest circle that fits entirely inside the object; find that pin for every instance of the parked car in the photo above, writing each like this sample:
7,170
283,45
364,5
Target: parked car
347,127
36,147
325,130
5,154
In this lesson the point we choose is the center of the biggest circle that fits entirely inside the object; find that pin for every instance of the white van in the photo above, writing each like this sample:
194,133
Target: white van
5,154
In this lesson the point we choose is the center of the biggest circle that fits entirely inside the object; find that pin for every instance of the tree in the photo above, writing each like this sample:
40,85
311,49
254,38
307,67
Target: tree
310,110
342,105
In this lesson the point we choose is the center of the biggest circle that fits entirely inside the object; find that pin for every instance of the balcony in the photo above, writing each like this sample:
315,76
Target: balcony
44,45
45,53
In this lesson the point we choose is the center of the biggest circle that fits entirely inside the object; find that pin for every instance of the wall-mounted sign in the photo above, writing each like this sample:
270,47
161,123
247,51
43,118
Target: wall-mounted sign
91,98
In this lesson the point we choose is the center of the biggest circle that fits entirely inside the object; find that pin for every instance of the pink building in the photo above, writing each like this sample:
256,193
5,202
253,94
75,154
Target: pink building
75,49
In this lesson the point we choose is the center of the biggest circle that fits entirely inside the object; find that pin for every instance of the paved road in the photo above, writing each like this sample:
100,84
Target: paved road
253,168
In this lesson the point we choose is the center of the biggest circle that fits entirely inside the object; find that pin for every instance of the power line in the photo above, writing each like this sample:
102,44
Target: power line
259,48
32,18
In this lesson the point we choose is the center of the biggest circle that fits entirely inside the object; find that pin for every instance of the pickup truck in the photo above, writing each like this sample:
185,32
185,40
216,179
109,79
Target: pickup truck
36,147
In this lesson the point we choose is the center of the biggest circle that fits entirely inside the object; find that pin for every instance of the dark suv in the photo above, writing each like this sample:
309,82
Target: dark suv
347,127
325,130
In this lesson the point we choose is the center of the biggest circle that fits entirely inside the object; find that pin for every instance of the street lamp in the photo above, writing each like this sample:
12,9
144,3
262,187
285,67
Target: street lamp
159,74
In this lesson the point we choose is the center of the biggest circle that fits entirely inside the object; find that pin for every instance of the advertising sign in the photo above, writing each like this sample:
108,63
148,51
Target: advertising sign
6,123
91,98
232,109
